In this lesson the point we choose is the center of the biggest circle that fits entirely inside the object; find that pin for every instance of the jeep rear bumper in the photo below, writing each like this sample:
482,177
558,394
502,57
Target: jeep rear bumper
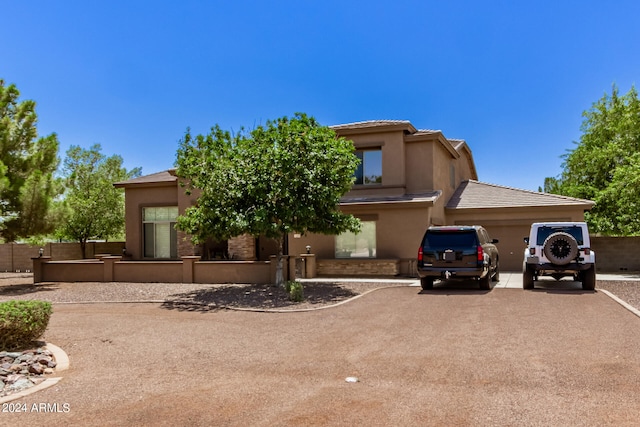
534,263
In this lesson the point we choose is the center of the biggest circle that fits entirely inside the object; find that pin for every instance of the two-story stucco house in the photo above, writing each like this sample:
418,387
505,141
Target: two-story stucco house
408,180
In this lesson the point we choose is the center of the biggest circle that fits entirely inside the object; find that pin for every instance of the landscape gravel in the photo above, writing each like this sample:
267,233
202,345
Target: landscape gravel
399,356
185,295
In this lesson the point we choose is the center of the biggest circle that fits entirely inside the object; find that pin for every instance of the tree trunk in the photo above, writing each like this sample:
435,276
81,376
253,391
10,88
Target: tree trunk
83,248
280,259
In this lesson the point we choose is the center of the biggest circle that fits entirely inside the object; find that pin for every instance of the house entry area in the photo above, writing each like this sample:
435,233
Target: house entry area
160,235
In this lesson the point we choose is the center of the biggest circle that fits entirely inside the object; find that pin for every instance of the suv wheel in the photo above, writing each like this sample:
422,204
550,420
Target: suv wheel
589,279
527,277
485,282
560,248
426,283
496,272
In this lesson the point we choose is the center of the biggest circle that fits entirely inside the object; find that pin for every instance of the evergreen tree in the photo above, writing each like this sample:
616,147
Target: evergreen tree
27,166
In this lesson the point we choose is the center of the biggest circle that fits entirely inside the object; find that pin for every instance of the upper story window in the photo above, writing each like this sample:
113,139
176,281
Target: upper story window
370,168
160,236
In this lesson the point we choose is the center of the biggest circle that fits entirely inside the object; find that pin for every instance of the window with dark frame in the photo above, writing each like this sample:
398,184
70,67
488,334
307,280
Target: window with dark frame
369,170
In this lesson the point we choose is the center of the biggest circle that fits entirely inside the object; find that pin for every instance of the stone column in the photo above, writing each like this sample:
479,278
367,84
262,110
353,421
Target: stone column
309,265
109,262
38,264
187,268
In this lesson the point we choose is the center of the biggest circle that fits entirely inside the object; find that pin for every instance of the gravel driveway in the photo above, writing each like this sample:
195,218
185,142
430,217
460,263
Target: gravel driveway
444,357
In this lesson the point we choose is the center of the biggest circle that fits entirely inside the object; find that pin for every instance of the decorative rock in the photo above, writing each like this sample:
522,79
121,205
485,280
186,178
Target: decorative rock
20,385
12,355
21,370
43,360
36,368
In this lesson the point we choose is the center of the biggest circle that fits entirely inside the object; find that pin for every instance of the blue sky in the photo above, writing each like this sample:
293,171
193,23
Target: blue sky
511,78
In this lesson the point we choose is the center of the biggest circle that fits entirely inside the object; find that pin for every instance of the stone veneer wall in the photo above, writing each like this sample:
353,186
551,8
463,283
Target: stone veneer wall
185,247
358,267
242,248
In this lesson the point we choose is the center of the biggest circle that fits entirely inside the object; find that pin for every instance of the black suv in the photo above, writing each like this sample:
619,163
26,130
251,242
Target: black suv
458,252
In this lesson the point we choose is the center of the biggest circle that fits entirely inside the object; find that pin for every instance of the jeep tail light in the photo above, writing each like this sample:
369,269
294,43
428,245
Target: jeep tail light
480,254
587,251
532,251
420,254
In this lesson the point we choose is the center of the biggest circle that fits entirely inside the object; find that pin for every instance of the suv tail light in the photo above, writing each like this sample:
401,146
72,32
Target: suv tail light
420,254
480,254
532,251
587,251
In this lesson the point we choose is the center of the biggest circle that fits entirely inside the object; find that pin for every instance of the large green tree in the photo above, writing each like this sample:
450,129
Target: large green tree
605,165
27,167
284,177
94,208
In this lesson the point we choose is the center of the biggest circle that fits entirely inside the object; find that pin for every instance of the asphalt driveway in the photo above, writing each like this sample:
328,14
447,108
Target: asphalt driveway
450,356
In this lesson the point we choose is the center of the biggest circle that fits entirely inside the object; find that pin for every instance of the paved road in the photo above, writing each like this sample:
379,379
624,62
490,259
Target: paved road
451,356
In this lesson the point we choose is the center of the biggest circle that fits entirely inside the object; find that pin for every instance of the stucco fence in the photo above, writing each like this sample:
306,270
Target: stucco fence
109,268
16,257
60,262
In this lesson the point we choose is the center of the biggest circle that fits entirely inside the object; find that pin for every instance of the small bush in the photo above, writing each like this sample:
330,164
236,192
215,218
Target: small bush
295,291
22,322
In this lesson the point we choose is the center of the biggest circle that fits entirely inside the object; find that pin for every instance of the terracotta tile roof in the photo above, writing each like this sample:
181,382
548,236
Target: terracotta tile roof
374,126
478,195
427,132
430,196
457,143
370,123
164,177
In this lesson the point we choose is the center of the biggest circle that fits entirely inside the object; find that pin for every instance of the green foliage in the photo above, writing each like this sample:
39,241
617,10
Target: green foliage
27,166
22,322
295,291
605,165
285,177
93,208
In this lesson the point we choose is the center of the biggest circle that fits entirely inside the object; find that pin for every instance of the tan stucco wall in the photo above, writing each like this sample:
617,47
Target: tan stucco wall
392,147
419,164
135,199
398,233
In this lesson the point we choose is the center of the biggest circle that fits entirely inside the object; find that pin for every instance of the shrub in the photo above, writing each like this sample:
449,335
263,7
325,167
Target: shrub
294,290
22,322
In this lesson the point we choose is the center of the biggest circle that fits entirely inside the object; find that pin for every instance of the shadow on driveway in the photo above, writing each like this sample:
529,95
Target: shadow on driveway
259,297
25,289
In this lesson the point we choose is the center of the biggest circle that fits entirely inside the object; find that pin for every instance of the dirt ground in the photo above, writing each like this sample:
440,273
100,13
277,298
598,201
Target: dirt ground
443,357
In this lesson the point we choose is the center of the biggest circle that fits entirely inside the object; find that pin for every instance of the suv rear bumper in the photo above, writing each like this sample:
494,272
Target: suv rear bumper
452,273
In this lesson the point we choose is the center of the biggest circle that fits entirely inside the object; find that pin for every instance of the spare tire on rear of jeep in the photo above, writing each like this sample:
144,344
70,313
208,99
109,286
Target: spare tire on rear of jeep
560,248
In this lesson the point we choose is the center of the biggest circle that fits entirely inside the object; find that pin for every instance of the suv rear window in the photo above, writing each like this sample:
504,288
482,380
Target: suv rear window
446,239
544,232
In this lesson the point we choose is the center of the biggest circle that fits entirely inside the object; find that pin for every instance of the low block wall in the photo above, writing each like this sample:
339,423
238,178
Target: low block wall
358,267
72,271
147,271
17,256
113,269
258,272
614,254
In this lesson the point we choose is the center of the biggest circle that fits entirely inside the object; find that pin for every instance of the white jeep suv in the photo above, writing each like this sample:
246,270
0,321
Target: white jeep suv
559,249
